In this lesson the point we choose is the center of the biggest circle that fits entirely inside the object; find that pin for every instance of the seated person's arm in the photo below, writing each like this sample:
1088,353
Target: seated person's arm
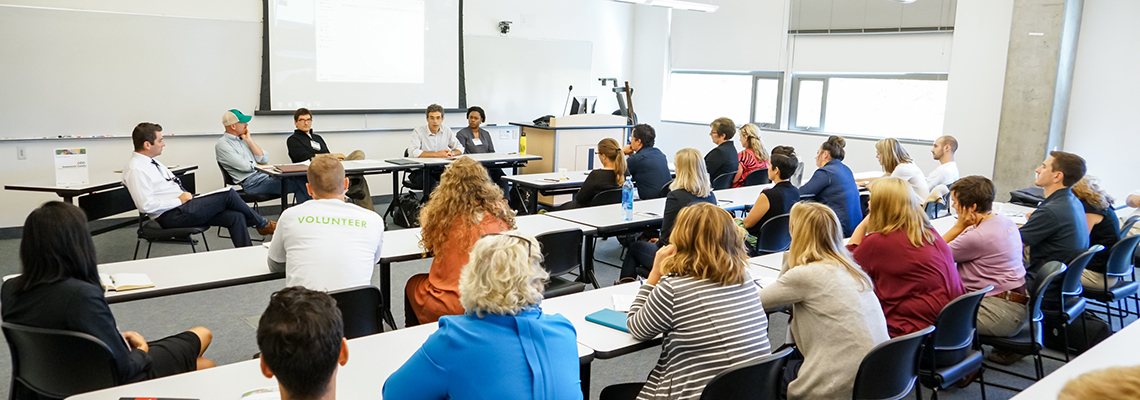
90,314
276,258
788,289
589,189
1134,199
455,146
819,180
232,161
858,234
1041,224
758,211
652,311
298,150
420,377
140,190
1093,219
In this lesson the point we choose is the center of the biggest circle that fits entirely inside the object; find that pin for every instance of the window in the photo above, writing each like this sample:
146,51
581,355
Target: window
702,96
910,106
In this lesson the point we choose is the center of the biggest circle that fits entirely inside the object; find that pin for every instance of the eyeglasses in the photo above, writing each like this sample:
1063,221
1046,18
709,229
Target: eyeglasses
526,241
305,120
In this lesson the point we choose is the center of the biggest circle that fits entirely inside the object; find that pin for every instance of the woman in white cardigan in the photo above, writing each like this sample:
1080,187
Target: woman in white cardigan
836,318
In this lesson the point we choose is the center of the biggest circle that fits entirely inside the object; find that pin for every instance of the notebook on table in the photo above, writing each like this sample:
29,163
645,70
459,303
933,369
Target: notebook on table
401,161
287,168
609,318
125,281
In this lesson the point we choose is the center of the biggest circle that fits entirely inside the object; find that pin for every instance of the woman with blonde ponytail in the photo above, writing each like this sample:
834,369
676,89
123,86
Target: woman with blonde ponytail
610,176
753,157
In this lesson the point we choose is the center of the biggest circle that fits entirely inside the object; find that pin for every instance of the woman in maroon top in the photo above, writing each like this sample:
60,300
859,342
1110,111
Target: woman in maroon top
911,266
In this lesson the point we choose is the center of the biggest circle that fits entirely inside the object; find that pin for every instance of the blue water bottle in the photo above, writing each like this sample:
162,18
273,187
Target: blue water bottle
627,201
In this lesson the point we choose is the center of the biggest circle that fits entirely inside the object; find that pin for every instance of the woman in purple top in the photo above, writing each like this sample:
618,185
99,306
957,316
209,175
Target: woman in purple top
987,248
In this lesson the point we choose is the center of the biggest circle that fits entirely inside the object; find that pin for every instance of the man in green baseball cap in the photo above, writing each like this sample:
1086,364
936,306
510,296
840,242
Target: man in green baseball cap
239,155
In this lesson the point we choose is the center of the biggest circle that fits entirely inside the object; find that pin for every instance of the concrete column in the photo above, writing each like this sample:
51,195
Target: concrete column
1035,44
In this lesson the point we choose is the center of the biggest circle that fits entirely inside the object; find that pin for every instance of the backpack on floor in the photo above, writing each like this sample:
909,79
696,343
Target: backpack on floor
1097,329
407,213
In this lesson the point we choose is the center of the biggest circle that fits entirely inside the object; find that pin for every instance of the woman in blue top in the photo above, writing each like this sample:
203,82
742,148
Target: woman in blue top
833,184
504,347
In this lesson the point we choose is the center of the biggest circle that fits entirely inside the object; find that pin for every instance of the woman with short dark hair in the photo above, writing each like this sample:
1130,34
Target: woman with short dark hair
59,288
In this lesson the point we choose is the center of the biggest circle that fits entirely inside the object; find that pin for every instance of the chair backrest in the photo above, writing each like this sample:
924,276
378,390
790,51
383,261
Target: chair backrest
774,235
1071,283
1045,276
889,370
561,250
951,341
226,178
757,380
665,188
612,196
1121,258
58,363
757,177
362,310
1127,225
933,208
723,181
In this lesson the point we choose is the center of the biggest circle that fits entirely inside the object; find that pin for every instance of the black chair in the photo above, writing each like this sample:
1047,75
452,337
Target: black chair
723,181
228,181
950,354
757,380
757,177
612,196
1071,305
363,311
889,370
1127,225
562,254
1029,340
1120,265
151,232
57,363
665,188
774,235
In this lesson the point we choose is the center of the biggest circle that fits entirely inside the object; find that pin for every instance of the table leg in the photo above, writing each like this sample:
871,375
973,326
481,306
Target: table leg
584,373
284,195
386,288
588,273
533,200
69,199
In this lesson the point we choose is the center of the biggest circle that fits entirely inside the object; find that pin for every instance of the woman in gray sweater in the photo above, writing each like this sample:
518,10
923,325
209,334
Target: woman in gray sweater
837,318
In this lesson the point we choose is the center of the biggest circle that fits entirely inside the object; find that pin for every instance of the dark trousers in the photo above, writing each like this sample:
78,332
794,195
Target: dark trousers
417,179
225,209
639,254
621,391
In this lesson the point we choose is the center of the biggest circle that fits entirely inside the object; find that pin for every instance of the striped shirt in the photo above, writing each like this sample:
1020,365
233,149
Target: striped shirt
708,328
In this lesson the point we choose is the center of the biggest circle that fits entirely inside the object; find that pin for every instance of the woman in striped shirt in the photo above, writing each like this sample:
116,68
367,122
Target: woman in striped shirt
699,296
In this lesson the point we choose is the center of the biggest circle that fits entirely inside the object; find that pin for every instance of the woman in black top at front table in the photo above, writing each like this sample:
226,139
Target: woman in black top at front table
778,199
59,288
610,176
691,186
477,140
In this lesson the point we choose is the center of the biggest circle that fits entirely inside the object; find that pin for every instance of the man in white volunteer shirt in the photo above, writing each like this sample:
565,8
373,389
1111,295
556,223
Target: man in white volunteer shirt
327,244
947,173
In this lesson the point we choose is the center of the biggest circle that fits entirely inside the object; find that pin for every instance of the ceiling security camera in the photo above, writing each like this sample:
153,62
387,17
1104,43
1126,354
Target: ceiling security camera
504,28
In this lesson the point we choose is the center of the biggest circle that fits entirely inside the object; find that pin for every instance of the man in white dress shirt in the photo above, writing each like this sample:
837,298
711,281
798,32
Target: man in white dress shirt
433,140
947,173
159,194
327,244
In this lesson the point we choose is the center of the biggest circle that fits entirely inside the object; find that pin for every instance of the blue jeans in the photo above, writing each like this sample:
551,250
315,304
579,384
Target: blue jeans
260,183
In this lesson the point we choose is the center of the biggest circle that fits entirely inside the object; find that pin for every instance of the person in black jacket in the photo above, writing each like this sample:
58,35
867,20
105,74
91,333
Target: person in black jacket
647,164
306,144
691,186
723,159
778,199
59,288
610,176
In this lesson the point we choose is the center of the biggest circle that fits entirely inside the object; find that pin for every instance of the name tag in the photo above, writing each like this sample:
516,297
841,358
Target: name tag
316,145
477,141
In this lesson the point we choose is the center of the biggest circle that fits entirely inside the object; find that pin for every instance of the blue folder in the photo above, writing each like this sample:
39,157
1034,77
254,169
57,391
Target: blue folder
609,318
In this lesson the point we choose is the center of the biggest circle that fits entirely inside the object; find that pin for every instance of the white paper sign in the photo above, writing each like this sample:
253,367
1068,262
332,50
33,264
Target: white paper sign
71,167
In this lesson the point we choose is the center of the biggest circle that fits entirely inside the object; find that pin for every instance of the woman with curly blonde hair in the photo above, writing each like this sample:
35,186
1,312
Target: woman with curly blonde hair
1104,229
504,333
465,206
753,157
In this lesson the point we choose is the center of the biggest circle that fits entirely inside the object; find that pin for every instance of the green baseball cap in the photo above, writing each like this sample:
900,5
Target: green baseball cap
234,116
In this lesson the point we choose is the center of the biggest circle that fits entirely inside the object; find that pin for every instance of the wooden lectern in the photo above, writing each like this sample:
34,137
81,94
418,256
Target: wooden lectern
568,141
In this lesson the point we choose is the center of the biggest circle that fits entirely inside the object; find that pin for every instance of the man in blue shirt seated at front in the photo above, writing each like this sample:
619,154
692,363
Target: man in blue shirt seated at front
239,155
646,164
301,338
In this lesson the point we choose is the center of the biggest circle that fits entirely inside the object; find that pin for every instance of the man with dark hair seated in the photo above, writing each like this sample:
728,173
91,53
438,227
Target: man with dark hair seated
301,338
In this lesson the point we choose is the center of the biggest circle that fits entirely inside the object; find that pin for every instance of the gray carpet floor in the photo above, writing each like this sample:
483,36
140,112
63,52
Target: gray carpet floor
227,312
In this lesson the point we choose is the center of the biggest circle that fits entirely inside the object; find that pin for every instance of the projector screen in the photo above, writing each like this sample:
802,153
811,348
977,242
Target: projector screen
363,55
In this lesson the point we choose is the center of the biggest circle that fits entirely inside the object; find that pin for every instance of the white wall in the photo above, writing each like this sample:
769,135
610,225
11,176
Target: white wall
604,23
1102,125
903,53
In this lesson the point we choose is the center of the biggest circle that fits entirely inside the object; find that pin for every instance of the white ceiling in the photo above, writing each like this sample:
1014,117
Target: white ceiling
850,15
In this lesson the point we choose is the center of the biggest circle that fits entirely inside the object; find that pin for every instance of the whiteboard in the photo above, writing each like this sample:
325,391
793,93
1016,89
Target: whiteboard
518,80
91,73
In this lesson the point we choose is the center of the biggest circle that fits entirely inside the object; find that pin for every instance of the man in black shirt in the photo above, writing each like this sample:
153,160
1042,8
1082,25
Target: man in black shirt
646,164
305,144
723,159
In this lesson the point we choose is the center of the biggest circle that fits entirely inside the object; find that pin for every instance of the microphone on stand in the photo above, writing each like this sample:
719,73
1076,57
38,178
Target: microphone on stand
571,90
